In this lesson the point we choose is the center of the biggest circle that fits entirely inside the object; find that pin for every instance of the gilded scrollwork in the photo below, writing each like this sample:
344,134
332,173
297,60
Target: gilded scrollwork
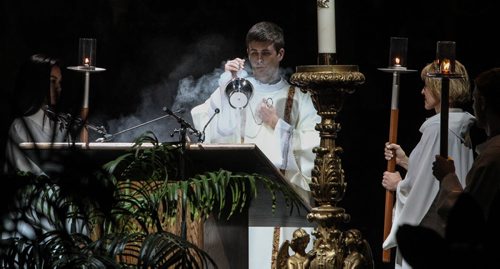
323,3
332,248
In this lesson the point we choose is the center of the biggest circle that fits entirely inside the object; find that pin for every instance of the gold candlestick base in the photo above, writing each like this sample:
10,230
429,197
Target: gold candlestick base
332,248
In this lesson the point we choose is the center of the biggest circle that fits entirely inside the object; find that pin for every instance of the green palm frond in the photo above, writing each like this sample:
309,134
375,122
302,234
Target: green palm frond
148,159
204,193
138,205
156,250
53,249
46,241
118,217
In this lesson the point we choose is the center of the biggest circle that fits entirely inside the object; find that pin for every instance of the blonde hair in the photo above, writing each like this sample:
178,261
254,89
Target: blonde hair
459,93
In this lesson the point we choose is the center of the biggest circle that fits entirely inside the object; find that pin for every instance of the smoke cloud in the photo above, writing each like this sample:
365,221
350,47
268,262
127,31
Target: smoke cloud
186,86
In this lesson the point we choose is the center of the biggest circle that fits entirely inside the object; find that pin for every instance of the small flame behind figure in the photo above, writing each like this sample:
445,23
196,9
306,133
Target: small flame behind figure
445,66
445,55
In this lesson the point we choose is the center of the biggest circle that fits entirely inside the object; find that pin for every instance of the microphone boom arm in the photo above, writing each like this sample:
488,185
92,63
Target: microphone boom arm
201,138
184,125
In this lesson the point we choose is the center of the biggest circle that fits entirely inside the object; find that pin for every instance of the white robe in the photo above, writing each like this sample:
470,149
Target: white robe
416,192
288,146
34,128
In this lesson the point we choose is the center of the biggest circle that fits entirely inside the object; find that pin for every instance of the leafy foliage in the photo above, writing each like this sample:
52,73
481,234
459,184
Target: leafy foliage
203,193
116,216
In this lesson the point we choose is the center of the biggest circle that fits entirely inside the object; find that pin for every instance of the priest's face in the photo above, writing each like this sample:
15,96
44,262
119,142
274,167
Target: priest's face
265,61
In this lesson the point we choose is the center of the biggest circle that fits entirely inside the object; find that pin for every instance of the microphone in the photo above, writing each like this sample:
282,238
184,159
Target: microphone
105,138
184,124
202,136
66,120
178,111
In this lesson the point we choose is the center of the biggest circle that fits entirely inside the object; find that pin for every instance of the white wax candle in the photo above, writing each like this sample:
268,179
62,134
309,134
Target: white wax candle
326,28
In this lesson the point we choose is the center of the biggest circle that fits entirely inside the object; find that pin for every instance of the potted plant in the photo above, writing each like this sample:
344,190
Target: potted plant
117,215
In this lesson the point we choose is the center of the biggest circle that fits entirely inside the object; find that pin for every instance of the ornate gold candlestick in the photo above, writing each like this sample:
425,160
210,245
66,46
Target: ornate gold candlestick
332,248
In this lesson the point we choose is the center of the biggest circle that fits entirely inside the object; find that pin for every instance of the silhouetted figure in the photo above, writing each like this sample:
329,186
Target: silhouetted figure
472,236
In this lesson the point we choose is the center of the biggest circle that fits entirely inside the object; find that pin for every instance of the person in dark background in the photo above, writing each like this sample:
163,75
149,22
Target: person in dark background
472,214
34,101
276,116
416,192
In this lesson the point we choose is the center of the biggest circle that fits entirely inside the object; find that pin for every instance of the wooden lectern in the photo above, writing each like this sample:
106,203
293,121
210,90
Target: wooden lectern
226,241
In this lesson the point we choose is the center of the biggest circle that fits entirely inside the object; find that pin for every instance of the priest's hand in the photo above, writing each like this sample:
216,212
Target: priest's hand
234,66
268,114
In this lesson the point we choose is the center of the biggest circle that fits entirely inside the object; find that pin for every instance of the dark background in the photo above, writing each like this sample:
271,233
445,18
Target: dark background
169,53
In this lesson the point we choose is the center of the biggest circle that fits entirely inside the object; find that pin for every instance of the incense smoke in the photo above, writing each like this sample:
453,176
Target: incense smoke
184,87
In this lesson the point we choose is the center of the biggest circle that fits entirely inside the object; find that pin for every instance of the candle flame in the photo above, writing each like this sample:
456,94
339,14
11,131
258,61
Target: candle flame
86,61
397,61
446,66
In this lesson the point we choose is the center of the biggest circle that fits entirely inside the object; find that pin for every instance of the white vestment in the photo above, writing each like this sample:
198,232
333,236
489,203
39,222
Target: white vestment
37,127
288,146
34,128
416,192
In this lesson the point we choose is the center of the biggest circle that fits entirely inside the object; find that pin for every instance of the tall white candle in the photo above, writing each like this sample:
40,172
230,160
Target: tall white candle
326,26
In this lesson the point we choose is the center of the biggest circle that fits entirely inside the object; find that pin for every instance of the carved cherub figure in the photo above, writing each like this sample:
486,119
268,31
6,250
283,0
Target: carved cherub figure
300,259
358,253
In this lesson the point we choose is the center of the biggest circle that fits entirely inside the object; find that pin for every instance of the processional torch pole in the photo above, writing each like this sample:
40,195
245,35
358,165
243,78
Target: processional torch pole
445,58
397,65
86,64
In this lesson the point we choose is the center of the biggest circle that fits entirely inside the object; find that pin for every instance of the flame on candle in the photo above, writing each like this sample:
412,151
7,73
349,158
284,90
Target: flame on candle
86,61
445,66
397,61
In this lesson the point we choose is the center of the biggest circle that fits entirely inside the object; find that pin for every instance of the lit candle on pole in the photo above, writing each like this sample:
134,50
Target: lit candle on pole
397,52
86,64
397,65
445,54
87,50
